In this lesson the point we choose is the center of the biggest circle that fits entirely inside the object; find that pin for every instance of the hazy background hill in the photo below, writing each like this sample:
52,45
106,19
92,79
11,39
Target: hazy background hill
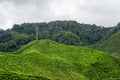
111,41
111,45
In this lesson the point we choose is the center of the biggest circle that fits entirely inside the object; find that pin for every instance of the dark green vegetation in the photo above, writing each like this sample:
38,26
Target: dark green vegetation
111,45
46,59
14,76
67,32
111,42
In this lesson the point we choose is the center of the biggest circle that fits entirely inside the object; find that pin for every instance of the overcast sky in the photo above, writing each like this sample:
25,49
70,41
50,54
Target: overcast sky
100,12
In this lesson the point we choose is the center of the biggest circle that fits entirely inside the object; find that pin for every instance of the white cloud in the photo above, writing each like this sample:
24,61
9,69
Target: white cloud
6,16
100,12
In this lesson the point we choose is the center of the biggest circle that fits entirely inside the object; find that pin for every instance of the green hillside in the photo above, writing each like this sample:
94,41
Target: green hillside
66,32
112,44
46,59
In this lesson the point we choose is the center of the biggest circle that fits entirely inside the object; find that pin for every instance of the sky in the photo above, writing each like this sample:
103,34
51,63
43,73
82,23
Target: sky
99,12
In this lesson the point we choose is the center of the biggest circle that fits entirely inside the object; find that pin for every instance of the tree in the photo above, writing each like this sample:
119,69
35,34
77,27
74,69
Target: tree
67,38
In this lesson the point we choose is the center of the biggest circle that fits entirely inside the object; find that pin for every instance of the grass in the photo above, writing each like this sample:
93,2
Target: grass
46,59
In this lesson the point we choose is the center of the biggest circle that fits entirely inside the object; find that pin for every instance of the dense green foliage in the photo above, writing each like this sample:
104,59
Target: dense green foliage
111,45
110,42
67,32
14,76
112,31
56,61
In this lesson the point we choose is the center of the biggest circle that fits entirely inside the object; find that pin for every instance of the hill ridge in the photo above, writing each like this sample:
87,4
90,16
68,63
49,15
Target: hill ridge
111,45
72,63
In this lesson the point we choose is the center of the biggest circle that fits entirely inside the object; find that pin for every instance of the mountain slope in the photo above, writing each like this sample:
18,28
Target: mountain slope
67,32
112,44
54,61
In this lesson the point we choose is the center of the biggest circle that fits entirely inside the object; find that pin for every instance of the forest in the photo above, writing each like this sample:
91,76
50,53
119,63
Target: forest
67,32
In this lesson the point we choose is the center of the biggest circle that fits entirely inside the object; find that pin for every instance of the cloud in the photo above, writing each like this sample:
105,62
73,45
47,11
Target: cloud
100,12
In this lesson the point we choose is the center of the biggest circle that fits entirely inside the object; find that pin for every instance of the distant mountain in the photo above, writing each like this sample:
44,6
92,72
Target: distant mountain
46,59
111,45
67,32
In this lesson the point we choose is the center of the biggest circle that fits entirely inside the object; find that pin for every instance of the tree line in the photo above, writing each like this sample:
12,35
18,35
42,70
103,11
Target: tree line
67,32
